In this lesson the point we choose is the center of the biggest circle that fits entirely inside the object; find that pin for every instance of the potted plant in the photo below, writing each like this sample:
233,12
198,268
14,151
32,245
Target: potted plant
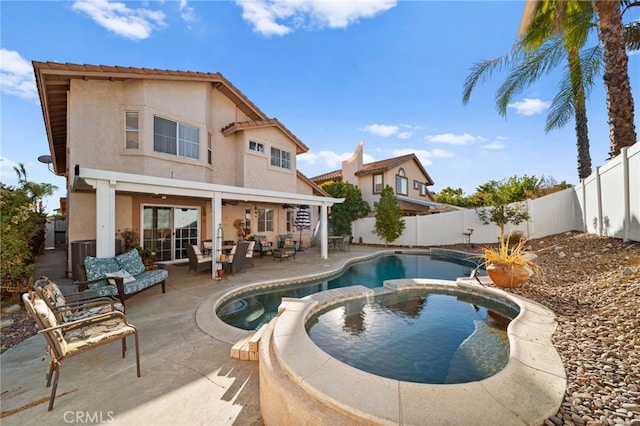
509,265
147,255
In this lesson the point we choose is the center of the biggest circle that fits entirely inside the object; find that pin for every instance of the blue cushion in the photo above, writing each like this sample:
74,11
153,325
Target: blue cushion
97,267
147,279
131,262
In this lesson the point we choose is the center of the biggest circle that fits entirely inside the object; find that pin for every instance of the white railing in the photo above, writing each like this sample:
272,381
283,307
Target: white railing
606,203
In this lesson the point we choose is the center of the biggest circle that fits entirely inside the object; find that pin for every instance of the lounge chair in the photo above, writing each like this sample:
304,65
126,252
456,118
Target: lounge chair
263,245
197,261
73,306
66,340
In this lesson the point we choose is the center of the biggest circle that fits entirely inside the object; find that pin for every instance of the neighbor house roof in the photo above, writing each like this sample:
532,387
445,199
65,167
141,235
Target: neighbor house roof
54,81
374,168
317,189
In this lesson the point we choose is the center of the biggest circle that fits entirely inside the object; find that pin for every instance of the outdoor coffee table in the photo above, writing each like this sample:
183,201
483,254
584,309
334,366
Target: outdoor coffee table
281,253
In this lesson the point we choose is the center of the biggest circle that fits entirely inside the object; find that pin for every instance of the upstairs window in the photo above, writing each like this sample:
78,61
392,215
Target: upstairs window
255,146
176,138
401,183
131,130
377,184
209,155
280,158
423,189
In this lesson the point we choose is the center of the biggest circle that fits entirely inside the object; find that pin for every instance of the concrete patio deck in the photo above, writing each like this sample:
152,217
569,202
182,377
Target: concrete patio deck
188,377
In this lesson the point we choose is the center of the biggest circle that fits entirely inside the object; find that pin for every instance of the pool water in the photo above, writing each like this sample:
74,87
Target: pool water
253,309
415,336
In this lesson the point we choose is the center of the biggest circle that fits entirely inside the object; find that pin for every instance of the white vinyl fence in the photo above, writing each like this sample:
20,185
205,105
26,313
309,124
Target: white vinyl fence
606,203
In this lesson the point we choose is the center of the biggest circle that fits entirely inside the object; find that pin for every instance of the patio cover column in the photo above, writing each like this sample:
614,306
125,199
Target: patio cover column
216,221
324,252
105,218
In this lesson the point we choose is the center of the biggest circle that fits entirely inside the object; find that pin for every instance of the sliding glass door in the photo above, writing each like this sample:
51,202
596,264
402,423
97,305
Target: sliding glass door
167,228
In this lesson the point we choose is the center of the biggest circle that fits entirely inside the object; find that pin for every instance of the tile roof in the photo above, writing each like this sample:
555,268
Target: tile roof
53,80
257,124
335,175
375,167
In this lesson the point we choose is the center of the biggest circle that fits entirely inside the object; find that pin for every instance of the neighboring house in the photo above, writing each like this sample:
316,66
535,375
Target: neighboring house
404,174
175,156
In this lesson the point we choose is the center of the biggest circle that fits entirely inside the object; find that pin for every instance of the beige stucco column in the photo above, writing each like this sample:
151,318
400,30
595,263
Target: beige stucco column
105,218
324,252
216,221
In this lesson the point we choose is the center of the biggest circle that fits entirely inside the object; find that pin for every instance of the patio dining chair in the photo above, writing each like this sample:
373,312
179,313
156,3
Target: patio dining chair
250,248
238,258
66,340
197,261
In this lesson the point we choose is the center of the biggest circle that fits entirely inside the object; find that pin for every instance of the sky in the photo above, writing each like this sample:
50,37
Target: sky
388,73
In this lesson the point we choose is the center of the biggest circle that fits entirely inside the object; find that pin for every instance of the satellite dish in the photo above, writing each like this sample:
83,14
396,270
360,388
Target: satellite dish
46,159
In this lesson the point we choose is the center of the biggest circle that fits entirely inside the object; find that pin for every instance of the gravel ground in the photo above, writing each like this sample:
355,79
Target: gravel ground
592,283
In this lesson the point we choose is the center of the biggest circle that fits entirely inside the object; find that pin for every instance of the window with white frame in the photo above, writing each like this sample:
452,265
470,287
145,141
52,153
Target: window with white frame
265,220
280,158
176,138
132,129
423,189
256,146
401,183
377,184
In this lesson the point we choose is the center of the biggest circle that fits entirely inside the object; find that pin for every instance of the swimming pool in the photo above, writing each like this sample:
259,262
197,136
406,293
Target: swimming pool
252,309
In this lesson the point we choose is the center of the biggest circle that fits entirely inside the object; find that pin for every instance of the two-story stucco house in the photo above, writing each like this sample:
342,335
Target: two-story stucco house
175,156
405,174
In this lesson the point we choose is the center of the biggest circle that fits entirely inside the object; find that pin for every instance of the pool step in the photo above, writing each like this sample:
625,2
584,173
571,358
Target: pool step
246,349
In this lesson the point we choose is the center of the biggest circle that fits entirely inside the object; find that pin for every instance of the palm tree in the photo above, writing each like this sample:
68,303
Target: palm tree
616,74
555,32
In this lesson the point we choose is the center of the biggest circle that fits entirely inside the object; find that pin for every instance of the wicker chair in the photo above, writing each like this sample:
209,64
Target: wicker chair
69,339
197,261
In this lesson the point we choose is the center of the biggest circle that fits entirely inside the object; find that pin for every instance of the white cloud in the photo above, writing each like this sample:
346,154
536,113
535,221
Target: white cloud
441,153
280,17
382,130
530,106
187,13
16,75
453,139
136,24
7,174
405,135
329,160
495,145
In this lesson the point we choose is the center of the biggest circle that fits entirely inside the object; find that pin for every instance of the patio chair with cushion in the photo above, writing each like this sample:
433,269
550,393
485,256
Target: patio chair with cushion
197,261
238,257
250,248
264,246
66,340
73,306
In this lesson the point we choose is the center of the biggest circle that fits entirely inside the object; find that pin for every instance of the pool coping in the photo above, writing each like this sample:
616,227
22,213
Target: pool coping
527,391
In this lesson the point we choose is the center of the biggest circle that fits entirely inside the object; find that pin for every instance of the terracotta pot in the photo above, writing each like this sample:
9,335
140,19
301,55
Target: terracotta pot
509,276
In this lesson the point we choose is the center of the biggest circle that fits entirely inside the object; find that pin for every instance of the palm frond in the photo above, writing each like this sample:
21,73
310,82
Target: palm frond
632,36
533,65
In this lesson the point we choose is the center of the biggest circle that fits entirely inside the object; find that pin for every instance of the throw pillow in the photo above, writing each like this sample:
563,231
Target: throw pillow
126,277
97,268
130,262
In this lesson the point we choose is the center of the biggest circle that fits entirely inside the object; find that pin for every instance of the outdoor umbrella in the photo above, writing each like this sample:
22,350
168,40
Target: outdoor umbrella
302,221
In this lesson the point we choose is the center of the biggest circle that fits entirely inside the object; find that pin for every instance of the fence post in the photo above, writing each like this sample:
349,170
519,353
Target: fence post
599,199
626,193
